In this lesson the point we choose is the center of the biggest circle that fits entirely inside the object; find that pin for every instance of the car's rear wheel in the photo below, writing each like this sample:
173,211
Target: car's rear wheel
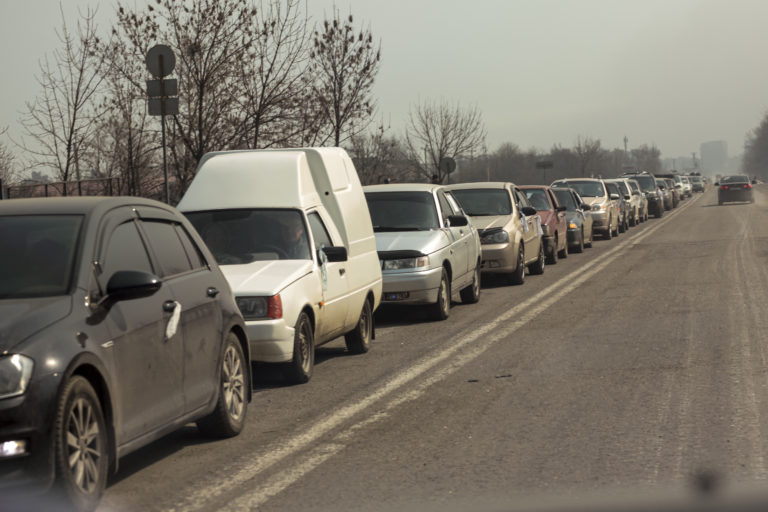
591,239
442,308
358,340
471,293
552,252
563,253
228,418
299,370
608,233
81,446
518,276
537,267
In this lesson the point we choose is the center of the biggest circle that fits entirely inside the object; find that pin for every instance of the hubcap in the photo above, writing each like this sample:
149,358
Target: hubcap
444,295
233,383
364,325
83,446
304,347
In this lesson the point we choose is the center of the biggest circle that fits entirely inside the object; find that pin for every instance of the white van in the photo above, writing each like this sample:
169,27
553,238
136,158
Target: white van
291,231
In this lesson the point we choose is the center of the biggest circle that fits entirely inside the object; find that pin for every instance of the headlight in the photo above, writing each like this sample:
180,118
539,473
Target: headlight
598,208
572,225
405,263
254,308
495,237
15,372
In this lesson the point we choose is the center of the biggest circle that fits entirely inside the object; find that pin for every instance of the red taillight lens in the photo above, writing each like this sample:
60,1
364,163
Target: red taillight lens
275,307
747,186
724,187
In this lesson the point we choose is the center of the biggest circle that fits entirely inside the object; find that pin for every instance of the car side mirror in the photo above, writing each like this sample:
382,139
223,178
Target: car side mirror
529,210
132,284
754,182
717,184
585,207
627,197
615,197
457,221
560,208
334,254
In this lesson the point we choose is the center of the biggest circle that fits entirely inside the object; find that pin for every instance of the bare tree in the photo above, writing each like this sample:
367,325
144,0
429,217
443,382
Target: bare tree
344,63
379,158
646,158
61,121
211,40
7,166
438,130
588,152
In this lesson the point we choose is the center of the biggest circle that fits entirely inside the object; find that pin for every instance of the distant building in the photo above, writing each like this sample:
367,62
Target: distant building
714,157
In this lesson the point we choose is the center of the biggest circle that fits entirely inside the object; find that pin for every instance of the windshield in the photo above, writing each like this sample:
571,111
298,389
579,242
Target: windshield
242,236
735,179
484,202
538,198
402,211
587,188
566,198
38,254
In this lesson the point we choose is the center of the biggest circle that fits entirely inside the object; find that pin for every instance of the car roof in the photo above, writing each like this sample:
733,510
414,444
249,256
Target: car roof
403,187
72,205
481,184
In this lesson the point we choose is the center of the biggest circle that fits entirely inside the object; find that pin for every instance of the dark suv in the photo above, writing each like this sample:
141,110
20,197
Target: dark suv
116,328
648,185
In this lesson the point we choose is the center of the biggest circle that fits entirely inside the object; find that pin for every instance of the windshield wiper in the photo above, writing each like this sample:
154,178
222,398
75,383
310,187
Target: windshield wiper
377,229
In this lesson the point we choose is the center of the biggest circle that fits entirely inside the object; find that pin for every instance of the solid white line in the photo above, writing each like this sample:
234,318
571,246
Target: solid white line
488,335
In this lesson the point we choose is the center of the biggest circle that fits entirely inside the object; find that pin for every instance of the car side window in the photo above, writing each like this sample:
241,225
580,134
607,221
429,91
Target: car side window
193,252
167,247
445,207
125,251
319,231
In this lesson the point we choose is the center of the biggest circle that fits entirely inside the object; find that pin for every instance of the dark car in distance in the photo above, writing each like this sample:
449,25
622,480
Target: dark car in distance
579,220
116,328
735,188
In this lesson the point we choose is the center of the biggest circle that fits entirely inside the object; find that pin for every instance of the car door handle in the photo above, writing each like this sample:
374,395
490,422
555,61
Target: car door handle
212,292
342,271
169,306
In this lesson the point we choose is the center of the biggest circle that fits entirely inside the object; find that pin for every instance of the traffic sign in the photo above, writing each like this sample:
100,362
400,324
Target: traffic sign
447,165
160,60
162,88
155,106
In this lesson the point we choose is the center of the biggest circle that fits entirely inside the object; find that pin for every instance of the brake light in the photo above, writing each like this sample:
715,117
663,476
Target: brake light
747,185
275,307
724,187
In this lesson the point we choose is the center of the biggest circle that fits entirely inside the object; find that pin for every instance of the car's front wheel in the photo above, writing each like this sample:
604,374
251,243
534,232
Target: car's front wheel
471,293
358,340
442,307
228,418
81,446
537,267
299,370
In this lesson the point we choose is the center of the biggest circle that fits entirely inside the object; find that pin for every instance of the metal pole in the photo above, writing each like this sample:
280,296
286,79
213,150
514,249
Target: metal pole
165,163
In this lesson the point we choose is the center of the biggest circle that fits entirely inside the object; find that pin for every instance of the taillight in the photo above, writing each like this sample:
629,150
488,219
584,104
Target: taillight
275,307
723,187
747,185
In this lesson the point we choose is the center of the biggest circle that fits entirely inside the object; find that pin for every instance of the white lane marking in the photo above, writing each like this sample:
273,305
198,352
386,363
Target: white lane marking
247,471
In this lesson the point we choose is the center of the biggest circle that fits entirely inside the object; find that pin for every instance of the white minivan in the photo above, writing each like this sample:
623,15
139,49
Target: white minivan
291,231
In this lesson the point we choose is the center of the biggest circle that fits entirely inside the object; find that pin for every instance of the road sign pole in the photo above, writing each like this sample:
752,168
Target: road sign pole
165,163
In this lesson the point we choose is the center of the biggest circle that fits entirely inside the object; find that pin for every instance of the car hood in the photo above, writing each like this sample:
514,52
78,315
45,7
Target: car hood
21,318
425,241
594,200
490,221
265,277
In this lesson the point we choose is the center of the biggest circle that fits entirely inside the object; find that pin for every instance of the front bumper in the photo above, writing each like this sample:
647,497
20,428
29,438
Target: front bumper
498,258
419,287
271,341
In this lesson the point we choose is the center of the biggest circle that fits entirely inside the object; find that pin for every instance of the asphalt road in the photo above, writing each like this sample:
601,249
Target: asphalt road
631,366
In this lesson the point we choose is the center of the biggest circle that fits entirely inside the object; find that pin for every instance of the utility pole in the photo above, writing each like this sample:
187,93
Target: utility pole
626,157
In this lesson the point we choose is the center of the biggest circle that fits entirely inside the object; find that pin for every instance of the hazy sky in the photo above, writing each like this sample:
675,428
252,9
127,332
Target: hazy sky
673,73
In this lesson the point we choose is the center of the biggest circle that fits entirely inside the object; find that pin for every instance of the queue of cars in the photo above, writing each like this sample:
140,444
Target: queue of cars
123,320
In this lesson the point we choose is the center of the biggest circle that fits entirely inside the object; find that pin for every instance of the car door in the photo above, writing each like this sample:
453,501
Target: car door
148,364
196,314
531,231
460,236
332,278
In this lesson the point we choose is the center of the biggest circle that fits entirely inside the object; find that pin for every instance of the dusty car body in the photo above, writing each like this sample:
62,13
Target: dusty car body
553,220
580,232
735,188
603,208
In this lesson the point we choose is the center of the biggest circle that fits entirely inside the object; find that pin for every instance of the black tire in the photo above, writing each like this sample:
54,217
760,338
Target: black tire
616,231
358,340
608,233
552,254
537,267
518,276
580,244
622,225
299,370
442,308
563,253
228,418
633,220
471,293
81,474
591,239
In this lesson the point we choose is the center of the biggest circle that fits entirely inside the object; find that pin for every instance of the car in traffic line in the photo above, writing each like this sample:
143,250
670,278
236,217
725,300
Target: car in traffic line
292,234
666,193
632,199
118,328
508,226
603,208
580,232
553,221
650,190
428,249
622,203
735,188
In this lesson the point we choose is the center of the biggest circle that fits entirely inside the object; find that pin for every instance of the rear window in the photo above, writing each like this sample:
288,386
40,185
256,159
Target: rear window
38,254
484,201
735,179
